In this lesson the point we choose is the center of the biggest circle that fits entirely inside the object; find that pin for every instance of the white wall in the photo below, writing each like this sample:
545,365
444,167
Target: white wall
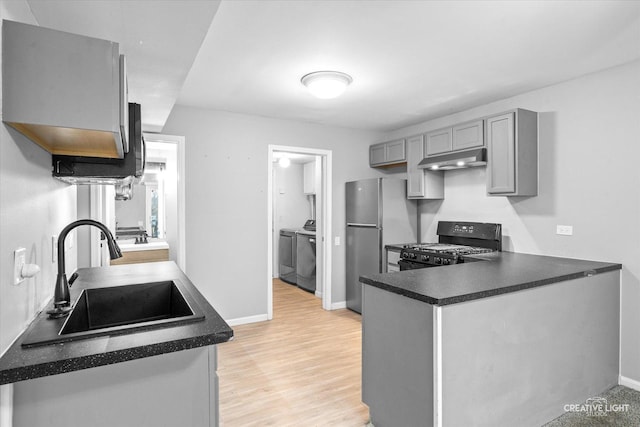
291,206
589,177
226,200
33,207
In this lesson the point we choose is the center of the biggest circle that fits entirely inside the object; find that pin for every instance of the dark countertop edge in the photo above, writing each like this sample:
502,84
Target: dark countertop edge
168,270
79,363
490,292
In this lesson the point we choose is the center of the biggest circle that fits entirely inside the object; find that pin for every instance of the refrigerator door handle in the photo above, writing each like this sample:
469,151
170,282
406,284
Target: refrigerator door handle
357,224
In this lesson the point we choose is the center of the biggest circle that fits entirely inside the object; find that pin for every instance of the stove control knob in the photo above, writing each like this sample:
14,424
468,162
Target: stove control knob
446,261
437,260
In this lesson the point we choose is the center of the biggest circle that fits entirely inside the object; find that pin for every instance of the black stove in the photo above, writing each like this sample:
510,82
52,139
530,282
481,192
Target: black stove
457,240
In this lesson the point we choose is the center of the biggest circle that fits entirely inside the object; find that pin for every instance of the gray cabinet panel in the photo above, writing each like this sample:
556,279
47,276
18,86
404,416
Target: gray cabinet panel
421,183
438,141
468,135
500,132
415,176
512,167
396,151
397,359
387,153
377,154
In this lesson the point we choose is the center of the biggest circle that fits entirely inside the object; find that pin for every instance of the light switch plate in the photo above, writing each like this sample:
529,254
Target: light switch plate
564,230
19,259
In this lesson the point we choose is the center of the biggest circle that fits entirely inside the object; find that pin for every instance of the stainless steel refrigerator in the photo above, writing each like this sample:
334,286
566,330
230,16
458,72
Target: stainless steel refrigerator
378,213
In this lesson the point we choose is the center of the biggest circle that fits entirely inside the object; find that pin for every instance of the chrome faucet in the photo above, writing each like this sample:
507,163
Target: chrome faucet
61,297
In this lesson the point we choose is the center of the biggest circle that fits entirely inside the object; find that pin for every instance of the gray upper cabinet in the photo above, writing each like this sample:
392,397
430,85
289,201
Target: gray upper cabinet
456,138
468,135
512,166
421,183
66,92
387,153
439,141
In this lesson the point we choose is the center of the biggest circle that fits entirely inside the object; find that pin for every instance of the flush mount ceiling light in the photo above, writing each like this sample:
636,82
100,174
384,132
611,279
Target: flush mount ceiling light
326,84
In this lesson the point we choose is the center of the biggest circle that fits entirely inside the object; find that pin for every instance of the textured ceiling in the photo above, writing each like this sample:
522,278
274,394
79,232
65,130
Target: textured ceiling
410,60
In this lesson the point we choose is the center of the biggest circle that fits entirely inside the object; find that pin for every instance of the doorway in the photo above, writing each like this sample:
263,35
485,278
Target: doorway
322,205
164,170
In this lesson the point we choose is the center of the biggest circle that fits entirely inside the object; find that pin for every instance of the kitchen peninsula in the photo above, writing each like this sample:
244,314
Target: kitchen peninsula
157,375
507,340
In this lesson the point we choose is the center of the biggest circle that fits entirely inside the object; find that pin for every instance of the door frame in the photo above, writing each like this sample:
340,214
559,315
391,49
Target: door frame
181,220
323,226
102,208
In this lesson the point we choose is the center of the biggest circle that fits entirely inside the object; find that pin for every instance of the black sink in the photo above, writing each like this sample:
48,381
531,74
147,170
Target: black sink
120,310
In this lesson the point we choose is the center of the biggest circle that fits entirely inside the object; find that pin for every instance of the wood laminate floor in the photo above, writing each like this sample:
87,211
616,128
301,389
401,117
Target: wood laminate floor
302,368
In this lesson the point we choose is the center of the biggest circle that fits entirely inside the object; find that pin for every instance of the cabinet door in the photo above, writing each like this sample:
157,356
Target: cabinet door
438,141
415,176
395,151
502,161
468,135
377,154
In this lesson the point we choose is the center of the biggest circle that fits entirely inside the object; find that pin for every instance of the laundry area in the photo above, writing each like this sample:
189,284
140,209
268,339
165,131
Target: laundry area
294,219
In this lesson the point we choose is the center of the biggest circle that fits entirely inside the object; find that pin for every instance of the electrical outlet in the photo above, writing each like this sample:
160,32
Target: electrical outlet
19,259
336,240
564,230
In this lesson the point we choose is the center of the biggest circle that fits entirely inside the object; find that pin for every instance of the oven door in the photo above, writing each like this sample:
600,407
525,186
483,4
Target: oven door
412,265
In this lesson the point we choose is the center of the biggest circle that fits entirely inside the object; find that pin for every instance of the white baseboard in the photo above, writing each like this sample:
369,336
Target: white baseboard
338,305
249,319
628,382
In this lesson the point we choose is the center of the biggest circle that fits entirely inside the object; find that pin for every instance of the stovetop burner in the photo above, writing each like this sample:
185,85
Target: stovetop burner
456,241
447,248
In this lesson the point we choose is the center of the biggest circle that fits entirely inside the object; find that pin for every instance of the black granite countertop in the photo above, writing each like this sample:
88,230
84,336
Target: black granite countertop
497,273
19,363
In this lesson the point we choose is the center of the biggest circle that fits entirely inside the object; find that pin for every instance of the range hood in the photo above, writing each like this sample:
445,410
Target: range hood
94,170
456,160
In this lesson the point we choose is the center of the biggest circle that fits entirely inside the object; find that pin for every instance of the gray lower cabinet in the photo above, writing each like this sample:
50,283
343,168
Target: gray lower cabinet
509,360
397,359
171,389
421,183
387,153
512,166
